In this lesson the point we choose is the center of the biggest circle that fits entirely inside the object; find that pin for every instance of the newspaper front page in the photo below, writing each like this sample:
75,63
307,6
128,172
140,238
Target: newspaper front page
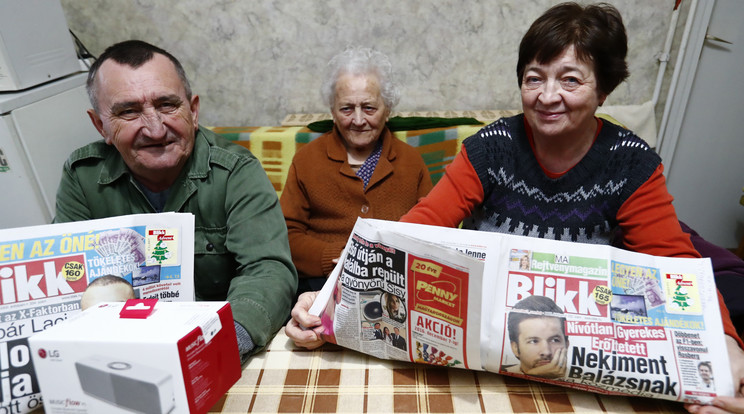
389,297
44,271
591,317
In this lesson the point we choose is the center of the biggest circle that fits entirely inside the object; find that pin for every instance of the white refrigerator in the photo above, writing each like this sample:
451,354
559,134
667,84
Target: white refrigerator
39,128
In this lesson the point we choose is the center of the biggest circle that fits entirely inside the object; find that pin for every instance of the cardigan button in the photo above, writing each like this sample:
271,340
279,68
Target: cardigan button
365,209
210,247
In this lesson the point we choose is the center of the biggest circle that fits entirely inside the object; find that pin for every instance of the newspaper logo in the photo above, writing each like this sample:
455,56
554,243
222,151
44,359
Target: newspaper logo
572,295
439,291
39,279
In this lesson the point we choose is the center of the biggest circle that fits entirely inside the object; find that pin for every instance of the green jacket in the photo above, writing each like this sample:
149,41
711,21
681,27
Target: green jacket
241,252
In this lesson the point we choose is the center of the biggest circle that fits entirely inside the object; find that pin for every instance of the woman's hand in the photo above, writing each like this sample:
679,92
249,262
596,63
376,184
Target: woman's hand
305,329
733,404
720,405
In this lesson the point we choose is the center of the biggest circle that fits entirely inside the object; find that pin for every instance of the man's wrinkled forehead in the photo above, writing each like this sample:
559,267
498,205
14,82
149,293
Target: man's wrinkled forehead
156,79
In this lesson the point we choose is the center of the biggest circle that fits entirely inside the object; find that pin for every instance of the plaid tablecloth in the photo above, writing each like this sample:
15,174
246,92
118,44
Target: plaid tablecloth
332,379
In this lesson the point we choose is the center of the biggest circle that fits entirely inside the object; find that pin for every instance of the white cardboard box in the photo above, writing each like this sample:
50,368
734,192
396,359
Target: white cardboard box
181,358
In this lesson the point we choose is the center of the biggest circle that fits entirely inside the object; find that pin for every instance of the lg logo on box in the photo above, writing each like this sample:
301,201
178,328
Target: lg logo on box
43,353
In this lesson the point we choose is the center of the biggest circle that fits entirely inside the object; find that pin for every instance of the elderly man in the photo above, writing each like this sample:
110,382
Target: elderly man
154,157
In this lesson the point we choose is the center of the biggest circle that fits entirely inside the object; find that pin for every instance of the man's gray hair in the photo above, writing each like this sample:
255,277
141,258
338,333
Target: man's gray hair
132,53
361,61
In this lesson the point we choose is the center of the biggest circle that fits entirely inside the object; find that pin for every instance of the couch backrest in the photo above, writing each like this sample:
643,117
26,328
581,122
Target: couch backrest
275,146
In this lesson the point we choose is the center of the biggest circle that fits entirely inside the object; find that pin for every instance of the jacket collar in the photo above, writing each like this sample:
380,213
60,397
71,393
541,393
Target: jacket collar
113,167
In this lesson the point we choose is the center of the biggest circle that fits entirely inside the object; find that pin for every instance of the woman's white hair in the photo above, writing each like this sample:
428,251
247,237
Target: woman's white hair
361,61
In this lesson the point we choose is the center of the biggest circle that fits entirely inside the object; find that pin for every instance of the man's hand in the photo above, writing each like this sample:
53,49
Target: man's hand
305,329
556,368
733,404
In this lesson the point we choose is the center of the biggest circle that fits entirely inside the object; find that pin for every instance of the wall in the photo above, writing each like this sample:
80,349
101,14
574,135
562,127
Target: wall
254,62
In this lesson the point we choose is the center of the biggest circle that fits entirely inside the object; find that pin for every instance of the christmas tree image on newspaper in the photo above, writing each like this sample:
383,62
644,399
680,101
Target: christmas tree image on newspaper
160,252
683,296
680,297
162,246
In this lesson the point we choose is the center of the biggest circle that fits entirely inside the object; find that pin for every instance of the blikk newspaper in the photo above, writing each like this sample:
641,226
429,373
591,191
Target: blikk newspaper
591,317
44,271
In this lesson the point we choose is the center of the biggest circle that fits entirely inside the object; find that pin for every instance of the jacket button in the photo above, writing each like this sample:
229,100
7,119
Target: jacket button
365,209
210,247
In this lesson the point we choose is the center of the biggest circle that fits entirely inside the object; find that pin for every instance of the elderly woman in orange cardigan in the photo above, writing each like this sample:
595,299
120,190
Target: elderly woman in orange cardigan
358,169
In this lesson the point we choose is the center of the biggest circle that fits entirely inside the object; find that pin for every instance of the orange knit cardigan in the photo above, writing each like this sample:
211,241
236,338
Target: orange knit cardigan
322,197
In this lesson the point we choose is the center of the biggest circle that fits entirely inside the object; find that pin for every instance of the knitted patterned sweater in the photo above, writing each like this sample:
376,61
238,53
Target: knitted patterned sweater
581,205
495,183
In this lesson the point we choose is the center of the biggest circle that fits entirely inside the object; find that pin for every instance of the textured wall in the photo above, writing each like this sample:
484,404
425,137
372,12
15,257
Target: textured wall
253,62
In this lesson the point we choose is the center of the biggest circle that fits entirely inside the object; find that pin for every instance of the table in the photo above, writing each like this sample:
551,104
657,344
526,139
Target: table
332,379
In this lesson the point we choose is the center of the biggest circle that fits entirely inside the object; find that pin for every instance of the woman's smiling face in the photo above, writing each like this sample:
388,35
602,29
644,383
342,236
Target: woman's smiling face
559,98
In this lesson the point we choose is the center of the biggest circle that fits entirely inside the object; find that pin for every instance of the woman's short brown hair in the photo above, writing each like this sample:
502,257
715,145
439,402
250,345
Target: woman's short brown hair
596,31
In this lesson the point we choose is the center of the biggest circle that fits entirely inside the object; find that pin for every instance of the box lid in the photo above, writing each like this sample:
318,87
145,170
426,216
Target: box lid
168,322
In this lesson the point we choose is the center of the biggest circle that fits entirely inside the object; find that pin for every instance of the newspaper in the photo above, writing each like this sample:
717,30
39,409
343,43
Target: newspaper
44,271
591,317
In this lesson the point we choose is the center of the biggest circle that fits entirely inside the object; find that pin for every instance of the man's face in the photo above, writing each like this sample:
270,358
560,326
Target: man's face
145,114
539,339
705,373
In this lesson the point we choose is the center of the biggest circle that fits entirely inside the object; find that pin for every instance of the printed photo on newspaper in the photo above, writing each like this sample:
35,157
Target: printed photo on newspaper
45,273
591,317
